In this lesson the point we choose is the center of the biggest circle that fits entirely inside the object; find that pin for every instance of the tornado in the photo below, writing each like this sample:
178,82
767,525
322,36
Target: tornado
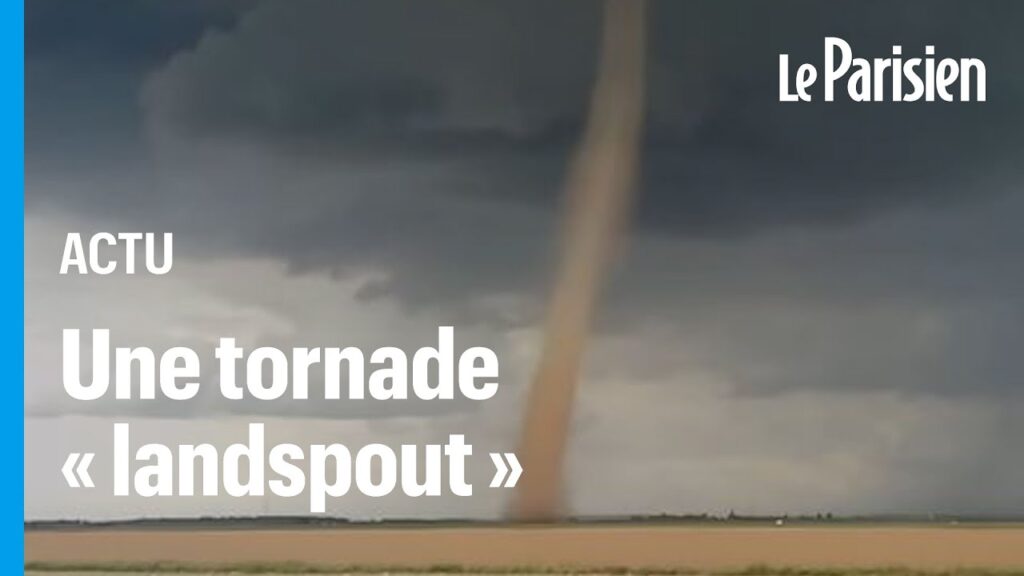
599,185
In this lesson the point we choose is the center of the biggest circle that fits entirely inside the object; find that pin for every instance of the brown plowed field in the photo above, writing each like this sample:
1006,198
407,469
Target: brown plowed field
695,547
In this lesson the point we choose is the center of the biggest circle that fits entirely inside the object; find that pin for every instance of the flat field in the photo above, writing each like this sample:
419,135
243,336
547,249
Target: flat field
541,549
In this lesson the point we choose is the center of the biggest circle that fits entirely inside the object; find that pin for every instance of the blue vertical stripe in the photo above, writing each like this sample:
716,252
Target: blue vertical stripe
12,280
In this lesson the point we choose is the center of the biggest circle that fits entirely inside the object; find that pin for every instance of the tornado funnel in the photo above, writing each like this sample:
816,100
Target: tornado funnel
599,186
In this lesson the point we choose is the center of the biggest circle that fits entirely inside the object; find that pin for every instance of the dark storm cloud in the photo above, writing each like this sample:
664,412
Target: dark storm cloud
85,62
452,115
499,89
496,91
110,33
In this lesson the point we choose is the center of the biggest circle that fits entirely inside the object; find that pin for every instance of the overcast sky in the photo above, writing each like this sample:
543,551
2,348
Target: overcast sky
819,307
